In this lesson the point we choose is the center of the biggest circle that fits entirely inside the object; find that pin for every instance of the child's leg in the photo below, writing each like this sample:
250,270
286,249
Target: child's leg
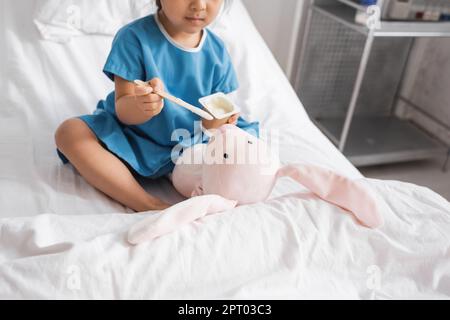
102,169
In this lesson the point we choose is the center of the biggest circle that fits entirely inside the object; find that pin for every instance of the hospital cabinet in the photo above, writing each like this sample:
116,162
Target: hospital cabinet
350,76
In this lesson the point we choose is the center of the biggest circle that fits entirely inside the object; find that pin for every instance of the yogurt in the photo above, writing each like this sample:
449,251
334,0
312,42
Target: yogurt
219,106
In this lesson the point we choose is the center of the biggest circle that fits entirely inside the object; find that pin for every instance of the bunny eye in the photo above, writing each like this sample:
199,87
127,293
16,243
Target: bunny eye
250,142
226,156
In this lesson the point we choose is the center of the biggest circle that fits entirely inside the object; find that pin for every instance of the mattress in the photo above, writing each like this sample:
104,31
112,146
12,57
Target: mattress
60,238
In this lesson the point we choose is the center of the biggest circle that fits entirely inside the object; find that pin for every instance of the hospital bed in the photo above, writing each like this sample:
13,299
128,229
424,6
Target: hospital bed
60,238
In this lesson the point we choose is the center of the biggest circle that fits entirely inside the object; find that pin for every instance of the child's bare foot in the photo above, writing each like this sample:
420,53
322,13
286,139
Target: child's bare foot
161,206
156,204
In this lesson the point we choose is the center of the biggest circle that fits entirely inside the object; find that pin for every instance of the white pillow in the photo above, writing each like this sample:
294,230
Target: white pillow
60,20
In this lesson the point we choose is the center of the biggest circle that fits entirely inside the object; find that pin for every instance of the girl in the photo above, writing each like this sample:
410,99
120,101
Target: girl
131,131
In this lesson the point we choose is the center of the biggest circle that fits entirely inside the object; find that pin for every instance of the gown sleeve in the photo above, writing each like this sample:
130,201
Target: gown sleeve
226,81
126,57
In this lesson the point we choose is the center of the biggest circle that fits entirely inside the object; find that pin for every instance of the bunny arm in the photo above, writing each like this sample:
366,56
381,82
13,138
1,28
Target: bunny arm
351,195
178,215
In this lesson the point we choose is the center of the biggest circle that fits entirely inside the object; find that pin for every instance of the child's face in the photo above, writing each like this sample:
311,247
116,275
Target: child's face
191,16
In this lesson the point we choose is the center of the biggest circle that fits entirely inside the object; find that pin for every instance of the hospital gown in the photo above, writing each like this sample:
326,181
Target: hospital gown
144,50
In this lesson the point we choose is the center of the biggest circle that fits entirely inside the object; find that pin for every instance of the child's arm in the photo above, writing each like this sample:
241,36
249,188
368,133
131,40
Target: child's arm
136,105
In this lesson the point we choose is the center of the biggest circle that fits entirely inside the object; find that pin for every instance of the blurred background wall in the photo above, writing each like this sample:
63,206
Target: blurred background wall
427,87
278,23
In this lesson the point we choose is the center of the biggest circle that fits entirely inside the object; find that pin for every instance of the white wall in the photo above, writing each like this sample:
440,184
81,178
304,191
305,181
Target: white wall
277,21
427,84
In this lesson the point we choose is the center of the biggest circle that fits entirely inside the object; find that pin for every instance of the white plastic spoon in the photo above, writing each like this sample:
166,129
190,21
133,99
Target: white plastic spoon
178,101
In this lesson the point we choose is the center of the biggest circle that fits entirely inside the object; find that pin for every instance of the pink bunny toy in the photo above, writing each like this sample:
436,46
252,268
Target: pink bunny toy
236,168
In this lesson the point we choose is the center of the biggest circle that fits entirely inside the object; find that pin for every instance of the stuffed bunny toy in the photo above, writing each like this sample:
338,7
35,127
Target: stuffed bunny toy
236,168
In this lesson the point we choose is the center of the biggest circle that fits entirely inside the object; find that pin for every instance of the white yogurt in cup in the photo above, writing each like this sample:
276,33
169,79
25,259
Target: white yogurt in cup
219,105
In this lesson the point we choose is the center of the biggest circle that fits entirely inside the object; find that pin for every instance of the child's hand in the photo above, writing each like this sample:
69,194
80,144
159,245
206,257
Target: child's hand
234,119
147,101
216,123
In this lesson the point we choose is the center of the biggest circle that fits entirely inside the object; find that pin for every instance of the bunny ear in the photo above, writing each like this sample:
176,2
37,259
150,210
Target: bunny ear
180,214
352,195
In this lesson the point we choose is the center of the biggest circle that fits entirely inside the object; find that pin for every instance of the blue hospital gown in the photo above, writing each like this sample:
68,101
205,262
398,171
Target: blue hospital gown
144,50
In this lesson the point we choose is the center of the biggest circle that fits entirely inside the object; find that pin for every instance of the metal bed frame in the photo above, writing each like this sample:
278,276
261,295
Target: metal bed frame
372,140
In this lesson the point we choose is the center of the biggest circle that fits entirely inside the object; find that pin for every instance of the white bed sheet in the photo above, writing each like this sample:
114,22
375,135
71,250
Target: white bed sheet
59,238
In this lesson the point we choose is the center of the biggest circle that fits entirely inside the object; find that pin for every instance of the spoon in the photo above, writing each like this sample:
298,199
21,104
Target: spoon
178,101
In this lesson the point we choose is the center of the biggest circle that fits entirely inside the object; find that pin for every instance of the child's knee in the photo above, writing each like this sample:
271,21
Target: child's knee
72,131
